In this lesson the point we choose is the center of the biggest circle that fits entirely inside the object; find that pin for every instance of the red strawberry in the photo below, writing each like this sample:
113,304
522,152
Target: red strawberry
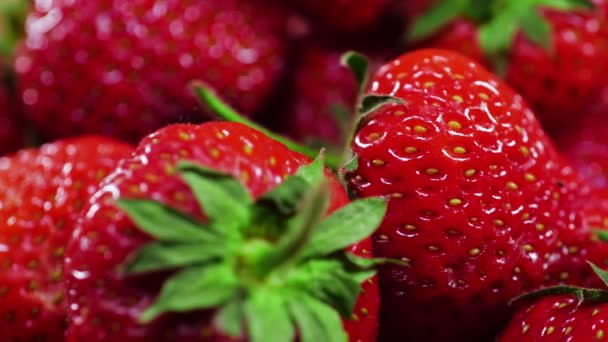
479,200
43,191
225,255
122,68
562,314
11,125
344,15
323,91
585,144
551,52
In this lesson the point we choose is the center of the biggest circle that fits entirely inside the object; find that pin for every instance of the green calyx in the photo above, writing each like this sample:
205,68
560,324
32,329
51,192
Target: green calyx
498,21
272,267
584,295
12,24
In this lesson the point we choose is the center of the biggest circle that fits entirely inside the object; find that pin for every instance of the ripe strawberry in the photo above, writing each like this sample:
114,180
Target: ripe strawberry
551,52
132,61
11,122
344,15
43,191
479,199
562,314
584,145
322,97
147,217
323,91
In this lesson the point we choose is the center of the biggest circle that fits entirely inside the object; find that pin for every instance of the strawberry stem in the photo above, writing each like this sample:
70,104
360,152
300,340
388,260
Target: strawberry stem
208,97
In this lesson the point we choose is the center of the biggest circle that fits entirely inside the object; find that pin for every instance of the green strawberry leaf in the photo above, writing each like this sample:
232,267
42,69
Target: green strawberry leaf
566,5
443,13
479,10
373,101
328,281
299,231
285,197
159,256
352,164
313,173
194,288
495,37
603,275
316,321
536,28
359,66
267,317
602,235
346,226
272,210
222,198
165,223
231,318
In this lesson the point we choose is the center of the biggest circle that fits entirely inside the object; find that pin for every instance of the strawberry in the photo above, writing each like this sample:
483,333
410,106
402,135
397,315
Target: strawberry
562,314
148,264
344,15
584,145
43,191
323,90
479,199
322,97
550,51
133,61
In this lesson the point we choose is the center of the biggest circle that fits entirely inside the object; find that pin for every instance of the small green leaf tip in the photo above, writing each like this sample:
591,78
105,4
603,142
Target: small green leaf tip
601,234
536,28
440,15
348,225
272,268
358,64
600,273
372,102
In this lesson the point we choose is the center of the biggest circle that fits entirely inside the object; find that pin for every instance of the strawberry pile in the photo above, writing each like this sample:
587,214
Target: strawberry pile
313,171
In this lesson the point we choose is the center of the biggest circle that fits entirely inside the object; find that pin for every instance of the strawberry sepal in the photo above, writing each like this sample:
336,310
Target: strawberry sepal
498,22
271,267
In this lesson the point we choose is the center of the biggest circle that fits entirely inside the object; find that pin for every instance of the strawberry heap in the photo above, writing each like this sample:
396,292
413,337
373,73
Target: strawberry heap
278,171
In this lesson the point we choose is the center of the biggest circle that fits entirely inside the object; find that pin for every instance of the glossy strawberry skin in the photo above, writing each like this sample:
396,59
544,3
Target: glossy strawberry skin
122,68
43,191
556,85
479,199
100,297
558,318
